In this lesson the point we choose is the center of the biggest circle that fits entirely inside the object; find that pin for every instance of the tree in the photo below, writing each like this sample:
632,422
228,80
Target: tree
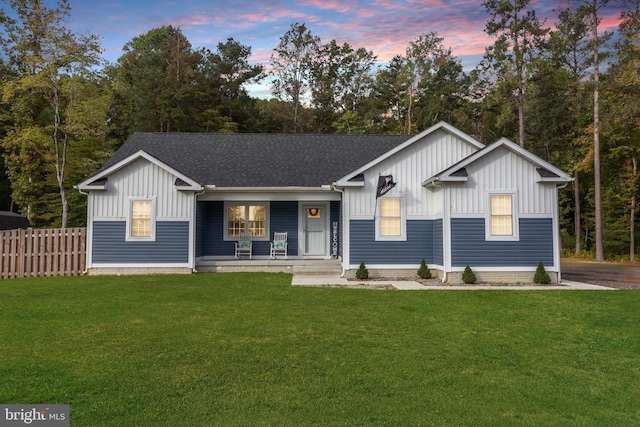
51,66
154,83
445,91
421,57
389,92
519,38
340,80
222,101
591,8
292,63
622,115
569,52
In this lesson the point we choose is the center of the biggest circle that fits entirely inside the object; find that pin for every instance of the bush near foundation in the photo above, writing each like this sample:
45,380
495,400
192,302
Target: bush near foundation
362,272
423,271
468,276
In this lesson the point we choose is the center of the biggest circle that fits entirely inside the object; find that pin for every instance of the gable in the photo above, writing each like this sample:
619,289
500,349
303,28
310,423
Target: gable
101,179
502,170
546,172
142,179
422,155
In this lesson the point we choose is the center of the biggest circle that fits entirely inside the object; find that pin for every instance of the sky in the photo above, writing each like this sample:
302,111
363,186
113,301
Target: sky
385,27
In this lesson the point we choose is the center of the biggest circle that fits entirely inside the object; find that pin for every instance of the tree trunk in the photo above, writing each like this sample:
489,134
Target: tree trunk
521,118
578,213
596,139
632,220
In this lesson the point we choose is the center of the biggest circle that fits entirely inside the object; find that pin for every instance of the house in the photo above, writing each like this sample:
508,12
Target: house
170,202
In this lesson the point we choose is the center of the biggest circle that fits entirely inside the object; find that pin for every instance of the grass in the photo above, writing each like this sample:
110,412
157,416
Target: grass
607,265
249,349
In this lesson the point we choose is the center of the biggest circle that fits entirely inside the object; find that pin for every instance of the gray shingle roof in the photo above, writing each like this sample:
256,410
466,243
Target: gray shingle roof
260,160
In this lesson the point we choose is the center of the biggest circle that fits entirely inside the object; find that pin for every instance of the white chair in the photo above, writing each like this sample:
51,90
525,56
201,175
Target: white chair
244,245
279,245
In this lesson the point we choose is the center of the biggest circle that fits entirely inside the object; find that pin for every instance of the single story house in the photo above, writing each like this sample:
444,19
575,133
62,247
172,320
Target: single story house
168,202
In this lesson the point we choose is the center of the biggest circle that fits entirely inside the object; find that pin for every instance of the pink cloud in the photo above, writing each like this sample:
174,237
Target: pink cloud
256,17
189,21
332,5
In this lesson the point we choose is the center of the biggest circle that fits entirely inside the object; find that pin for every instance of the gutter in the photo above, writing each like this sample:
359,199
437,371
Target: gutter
323,188
86,268
433,182
560,187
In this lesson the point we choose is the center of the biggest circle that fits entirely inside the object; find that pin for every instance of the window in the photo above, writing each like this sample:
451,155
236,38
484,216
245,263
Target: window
502,220
390,217
390,220
247,218
501,215
141,223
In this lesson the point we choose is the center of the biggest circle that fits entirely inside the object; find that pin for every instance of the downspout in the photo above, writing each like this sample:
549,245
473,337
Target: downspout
86,264
334,187
445,250
195,220
556,219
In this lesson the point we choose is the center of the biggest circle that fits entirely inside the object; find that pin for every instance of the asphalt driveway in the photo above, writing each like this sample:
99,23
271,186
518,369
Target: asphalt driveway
614,275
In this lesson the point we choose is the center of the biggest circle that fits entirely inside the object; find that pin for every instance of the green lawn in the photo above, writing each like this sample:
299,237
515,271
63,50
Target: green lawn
251,350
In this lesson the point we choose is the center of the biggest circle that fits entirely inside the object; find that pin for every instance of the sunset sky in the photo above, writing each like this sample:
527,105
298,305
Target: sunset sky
384,26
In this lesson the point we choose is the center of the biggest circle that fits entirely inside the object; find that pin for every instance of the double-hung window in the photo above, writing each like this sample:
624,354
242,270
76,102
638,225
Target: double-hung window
390,217
141,220
502,221
246,218
390,220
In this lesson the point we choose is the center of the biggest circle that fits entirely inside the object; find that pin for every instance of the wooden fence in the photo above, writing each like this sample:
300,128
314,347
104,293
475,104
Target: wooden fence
42,252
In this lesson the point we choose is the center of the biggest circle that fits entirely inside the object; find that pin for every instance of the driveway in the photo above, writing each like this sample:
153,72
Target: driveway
614,275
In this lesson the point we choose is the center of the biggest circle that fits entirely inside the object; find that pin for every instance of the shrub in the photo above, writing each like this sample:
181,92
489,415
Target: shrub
468,276
541,275
423,271
362,272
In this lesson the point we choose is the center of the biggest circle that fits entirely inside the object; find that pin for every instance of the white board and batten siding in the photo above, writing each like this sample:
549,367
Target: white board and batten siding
410,167
503,170
142,179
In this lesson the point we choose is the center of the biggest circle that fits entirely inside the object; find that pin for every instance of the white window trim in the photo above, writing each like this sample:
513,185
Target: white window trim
152,237
403,219
267,210
515,217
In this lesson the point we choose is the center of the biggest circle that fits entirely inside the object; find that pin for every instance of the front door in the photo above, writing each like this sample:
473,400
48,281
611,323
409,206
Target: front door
315,239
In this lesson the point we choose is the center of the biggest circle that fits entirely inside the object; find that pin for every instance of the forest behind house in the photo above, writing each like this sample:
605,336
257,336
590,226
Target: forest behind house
568,92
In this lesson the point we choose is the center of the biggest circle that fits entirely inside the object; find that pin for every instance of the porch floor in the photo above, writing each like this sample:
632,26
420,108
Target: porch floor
280,265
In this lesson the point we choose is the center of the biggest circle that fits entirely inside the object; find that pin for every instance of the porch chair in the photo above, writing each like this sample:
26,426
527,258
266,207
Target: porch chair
279,245
244,245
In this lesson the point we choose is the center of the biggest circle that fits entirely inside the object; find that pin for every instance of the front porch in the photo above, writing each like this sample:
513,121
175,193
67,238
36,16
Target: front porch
293,266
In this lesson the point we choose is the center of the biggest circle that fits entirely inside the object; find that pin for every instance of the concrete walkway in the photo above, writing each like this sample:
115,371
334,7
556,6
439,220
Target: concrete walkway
411,285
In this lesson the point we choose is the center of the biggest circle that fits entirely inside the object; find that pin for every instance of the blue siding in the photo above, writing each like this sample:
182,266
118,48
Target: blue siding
200,229
210,232
419,244
468,244
283,217
438,243
171,245
210,241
